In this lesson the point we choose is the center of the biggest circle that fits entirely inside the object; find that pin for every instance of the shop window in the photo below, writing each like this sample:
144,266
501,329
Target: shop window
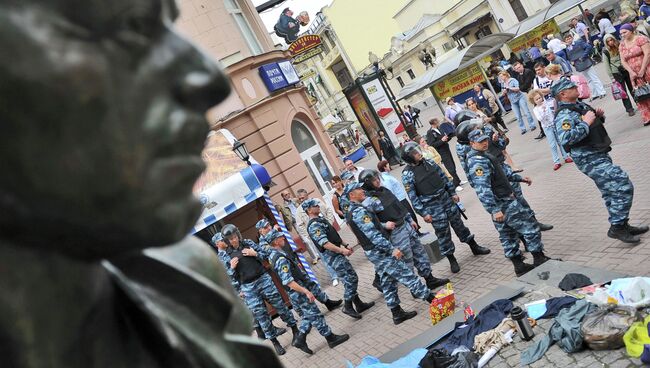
519,10
302,137
245,28
400,81
342,74
410,73
482,32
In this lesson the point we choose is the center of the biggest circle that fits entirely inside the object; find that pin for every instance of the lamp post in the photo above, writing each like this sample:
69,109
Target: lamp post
241,151
383,79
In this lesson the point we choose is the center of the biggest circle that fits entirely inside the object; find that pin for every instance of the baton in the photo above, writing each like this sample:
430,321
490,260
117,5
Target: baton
461,212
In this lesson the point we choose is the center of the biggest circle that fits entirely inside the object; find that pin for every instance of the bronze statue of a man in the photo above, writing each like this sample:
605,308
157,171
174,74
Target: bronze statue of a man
102,124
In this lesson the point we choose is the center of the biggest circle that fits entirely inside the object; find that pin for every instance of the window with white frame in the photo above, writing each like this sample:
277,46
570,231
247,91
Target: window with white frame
245,28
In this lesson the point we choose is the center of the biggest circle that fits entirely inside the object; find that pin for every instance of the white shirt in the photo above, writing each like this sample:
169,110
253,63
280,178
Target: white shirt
544,114
605,26
556,45
542,83
357,172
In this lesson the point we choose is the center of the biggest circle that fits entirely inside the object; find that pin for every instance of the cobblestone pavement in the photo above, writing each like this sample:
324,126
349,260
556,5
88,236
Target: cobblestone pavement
565,198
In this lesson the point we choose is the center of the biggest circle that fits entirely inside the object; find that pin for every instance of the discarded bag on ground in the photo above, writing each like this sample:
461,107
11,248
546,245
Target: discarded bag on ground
637,340
604,328
442,305
462,357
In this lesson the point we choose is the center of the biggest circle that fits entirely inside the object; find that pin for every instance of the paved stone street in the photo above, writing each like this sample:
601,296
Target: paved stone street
565,198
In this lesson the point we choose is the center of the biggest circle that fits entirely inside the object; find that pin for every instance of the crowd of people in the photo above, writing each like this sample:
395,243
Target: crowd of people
382,211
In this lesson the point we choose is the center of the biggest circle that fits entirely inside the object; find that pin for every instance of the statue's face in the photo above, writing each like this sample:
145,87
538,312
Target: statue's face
102,110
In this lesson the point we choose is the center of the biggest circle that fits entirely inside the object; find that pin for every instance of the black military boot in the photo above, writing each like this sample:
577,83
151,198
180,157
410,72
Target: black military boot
621,233
349,310
376,282
361,306
400,315
523,241
332,304
334,340
434,282
520,267
295,332
430,297
453,264
280,331
544,227
539,258
260,332
477,250
300,341
636,230
278,348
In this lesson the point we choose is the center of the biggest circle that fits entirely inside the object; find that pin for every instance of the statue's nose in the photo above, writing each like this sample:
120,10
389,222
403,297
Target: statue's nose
203,83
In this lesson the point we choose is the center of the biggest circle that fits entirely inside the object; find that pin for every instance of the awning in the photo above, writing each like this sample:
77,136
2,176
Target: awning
336,128
463,58
542,16
227,184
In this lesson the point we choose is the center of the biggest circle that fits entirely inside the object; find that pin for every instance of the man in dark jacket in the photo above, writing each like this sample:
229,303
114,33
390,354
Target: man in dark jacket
440,141
525,77
388,151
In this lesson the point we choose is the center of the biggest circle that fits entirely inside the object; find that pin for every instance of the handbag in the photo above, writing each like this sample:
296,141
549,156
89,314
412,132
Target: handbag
641,91
618,91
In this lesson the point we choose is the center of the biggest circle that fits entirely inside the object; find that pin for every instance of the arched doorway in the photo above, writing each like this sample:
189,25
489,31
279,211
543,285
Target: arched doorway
312,156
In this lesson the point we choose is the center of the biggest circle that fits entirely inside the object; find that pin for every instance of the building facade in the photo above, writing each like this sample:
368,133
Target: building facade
281,129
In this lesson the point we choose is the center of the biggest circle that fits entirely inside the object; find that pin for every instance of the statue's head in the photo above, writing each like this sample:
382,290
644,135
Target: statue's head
102,123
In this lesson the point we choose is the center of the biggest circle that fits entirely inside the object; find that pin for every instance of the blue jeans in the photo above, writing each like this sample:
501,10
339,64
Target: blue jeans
517,106
553,142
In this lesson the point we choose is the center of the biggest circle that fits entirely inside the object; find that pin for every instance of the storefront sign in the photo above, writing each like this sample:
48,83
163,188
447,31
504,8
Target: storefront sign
278,75
459,82
307,74
383,108
308,54
365,117
303,44
534,36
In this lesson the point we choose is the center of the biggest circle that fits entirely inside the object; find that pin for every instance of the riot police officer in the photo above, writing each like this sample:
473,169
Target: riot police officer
400,225
386,258
330,244
582,133
256,284
297,284
434,198
510,217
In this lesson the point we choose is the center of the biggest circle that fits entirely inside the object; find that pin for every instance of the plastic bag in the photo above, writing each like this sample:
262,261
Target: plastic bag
618,92
637,340
442,305
462,357
603,329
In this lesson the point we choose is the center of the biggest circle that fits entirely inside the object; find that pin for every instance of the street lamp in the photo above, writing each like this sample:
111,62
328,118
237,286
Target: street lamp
241,151
427,55
388,65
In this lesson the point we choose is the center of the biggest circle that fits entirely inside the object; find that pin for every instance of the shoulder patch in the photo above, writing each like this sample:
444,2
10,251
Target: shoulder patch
285,268
478,171
317,232
566,125
366,219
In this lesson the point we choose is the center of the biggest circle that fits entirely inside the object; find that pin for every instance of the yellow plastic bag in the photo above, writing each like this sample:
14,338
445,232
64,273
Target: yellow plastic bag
442,305
636,337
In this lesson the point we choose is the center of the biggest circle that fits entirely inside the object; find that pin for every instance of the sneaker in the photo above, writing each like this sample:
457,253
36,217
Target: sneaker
459,188
523,132
568,160
631,113
335,282
463,182
533,128
556,167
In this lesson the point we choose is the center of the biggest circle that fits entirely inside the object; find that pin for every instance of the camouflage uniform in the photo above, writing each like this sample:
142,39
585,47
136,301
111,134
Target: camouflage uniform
518,219
440,206
390,269
339,263
311,315
614,184
406,240
261,288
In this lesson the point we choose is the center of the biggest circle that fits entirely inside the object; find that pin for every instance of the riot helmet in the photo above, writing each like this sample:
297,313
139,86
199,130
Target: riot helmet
228,231
366,177
409,149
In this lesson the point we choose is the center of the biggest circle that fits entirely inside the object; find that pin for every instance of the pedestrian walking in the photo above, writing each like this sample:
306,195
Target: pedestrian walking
451,110
517,100
440,141
556,46
434,198
246,259
338,185
582,132
580,30
635,56
605,25
395,218
579,54
329,242
415,113
617,72
487,101
509,217
297,284
388,151
553,58
386,258
543,110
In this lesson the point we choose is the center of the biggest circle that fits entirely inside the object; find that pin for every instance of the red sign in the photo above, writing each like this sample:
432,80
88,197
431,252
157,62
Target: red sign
303,44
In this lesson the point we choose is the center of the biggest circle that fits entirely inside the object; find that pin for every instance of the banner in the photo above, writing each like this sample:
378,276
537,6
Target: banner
534,36
379,100
365,117
459,82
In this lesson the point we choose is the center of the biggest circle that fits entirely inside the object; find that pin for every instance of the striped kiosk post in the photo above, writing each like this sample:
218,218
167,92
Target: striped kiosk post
287,235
